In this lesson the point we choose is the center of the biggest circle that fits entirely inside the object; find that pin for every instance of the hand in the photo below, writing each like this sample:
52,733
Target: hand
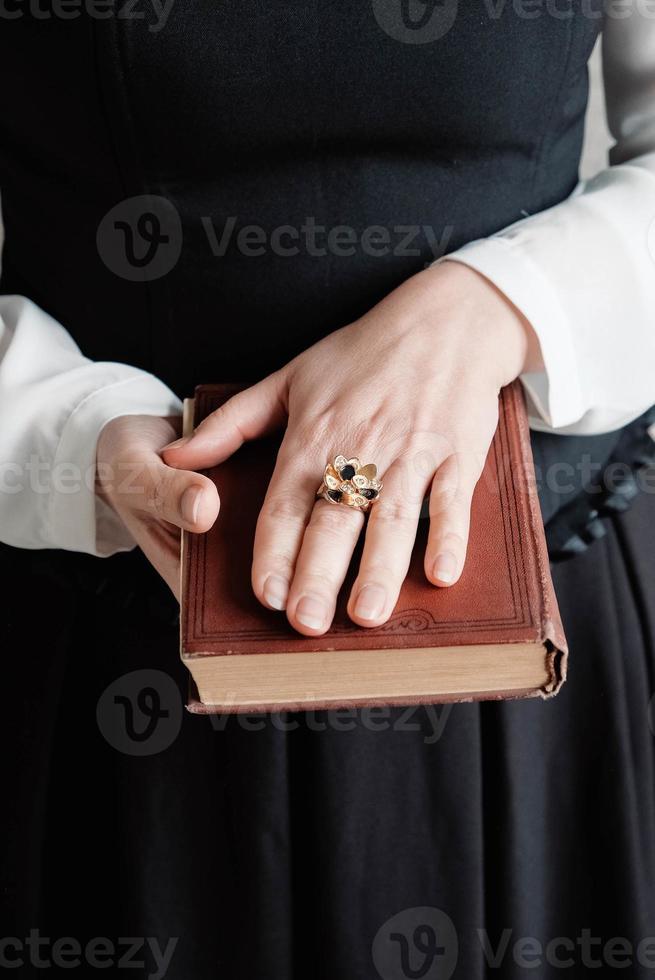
153,500
413,387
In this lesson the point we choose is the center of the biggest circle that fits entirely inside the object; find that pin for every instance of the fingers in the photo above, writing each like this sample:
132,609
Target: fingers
155,501
250,413
161,546
450,515
282,521
322,564
139,485
303,547
186,499
390,537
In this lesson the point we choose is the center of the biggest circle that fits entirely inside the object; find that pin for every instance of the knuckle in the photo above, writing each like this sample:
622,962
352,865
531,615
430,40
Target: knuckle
393,511
280,561
156,498
334,518
320,580
154,488
453,540
209,424
219,414
374,571
444,494
283,509
454,483
226,416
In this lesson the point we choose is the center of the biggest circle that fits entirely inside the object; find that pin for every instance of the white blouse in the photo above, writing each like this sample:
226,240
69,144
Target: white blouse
582,272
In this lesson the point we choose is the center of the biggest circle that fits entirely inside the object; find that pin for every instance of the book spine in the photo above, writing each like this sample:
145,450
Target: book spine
552,630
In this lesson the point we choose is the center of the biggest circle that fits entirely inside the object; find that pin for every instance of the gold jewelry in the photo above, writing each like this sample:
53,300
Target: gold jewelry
346,481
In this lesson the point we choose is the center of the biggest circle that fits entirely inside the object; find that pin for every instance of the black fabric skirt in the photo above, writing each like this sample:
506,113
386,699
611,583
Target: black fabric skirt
509,840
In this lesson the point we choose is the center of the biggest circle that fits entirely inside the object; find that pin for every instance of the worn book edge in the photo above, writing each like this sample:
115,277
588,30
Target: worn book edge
551,624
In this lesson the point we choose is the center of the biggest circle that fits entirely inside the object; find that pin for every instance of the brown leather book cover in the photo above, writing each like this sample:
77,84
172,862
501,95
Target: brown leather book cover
495,634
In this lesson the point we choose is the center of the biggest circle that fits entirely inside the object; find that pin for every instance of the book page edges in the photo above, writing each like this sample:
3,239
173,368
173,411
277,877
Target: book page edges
302,681
188,406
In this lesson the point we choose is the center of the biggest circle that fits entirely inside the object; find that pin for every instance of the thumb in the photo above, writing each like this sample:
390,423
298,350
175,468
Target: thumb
250,413
183,498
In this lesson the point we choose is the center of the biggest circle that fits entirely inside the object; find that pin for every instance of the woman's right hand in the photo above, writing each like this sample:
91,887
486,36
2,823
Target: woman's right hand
153,500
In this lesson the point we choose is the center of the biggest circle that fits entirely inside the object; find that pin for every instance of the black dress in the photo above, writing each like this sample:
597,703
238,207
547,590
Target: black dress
424,843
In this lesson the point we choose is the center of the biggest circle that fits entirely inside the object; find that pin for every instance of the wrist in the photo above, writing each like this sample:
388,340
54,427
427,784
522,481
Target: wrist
497,334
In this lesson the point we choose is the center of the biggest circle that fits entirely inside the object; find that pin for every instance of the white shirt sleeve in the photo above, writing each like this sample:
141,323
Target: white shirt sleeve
53,404
583,272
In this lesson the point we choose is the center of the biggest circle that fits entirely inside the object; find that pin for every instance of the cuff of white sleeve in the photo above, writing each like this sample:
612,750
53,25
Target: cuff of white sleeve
554,393
78,520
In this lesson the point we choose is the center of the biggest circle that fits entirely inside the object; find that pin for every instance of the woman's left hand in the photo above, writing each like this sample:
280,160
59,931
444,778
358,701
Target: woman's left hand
412,387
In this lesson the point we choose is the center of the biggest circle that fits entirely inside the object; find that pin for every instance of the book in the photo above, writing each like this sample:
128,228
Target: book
495,634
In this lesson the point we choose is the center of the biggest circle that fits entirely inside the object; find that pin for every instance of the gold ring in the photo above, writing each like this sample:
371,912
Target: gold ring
346,481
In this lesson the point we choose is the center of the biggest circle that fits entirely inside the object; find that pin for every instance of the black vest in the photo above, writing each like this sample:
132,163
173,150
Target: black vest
290,162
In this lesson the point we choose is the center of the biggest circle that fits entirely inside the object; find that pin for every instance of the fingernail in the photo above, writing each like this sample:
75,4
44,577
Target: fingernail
190,504
311,612
276,590
176,443
370,602
445,567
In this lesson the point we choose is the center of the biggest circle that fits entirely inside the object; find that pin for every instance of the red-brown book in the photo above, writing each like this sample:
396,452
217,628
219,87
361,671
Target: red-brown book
495,634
